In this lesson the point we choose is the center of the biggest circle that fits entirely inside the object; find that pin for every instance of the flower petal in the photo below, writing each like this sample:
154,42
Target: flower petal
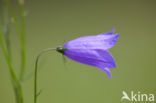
93,57
99,58
107,71
93,42
109,33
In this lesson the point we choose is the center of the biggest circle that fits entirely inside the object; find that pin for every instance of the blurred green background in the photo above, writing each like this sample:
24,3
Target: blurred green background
50,22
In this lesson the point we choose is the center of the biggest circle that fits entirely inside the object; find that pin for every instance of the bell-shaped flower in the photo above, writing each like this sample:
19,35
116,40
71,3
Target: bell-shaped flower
93,50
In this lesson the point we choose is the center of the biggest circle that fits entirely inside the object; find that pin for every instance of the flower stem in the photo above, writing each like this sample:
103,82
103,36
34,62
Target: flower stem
36,69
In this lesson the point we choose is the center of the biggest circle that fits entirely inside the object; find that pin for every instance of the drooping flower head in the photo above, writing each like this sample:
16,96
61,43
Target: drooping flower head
92,50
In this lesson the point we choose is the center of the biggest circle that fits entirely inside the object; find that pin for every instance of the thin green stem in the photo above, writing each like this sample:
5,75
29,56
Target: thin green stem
13,17
7,57
15,81
5,25
22,36
21,33
5,30
7,51
36,69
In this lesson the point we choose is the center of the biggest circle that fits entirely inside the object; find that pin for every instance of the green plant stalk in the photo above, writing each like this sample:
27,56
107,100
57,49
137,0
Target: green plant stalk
14,17
36,70
21,33
5,25
22,36
15,81
5,30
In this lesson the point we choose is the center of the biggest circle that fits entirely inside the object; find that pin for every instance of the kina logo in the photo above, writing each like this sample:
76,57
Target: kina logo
137,97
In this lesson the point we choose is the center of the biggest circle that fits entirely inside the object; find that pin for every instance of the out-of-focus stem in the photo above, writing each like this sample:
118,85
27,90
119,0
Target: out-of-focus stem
13,17
5,25
22,38
15,81
18,88
21,33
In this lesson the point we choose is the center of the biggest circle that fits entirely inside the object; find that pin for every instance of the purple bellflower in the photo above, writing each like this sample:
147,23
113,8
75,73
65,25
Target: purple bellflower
92,50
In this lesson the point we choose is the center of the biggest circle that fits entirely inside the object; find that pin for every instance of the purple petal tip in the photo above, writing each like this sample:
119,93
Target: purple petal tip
109,33
107,71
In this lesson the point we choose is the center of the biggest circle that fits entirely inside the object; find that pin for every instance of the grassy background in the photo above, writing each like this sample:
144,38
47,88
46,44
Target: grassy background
50,22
